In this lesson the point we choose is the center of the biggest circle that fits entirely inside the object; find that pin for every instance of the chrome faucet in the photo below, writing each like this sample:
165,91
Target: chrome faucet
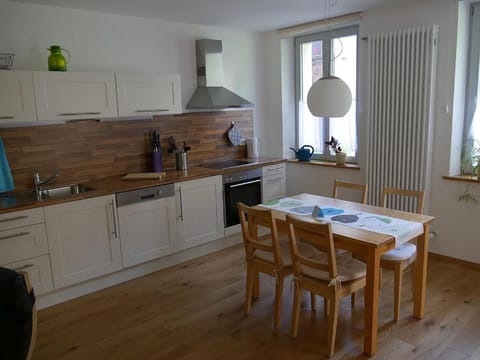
39,182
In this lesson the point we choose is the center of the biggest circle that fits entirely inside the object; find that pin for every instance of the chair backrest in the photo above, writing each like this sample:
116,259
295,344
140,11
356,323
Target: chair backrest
250,220
393,194
33,336
19,315
317,233
363,188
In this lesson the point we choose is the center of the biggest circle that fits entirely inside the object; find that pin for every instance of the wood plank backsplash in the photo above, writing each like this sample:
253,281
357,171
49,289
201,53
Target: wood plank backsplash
87,150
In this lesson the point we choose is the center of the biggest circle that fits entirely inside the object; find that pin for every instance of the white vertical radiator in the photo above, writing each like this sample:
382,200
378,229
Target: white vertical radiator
401,79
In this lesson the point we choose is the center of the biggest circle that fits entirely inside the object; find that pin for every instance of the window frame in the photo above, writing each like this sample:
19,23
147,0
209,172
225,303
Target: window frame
472,83
326,37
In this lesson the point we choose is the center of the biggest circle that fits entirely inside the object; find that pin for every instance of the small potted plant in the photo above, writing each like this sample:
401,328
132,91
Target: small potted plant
470,166
471,162
340,156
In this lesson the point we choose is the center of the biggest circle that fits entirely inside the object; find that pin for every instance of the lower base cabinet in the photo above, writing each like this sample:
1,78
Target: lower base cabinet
199,211
38,269
273,182
83,239
147,230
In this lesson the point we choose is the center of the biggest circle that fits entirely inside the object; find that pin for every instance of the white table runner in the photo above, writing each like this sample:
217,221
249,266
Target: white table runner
401,230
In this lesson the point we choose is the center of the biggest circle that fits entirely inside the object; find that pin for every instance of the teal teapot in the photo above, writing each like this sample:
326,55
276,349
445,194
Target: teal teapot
304,153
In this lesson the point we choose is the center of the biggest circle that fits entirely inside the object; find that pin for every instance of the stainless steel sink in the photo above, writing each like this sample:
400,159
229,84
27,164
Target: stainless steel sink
64,191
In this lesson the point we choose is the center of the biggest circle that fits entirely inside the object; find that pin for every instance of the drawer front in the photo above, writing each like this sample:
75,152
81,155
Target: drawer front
274,170
21,218
271,193
39,272
21,243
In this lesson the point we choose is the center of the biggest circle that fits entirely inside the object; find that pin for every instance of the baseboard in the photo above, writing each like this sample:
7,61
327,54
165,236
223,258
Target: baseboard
90,286
454,260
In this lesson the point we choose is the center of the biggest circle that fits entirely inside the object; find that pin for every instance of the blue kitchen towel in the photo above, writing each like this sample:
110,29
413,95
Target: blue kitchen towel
6,179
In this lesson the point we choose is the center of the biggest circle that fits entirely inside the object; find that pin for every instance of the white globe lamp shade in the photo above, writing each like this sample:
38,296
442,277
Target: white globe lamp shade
329,97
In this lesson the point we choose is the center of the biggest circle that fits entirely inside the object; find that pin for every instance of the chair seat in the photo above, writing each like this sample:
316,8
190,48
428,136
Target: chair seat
402,253
303,249
347,267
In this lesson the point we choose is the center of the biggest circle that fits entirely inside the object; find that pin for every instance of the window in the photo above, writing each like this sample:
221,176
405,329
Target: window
472,110
314,55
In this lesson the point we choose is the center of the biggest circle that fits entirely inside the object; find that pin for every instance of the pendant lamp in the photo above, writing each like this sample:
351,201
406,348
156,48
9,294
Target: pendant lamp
329,96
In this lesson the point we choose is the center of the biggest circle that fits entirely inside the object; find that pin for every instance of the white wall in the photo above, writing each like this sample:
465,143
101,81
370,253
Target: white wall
456,222
107,42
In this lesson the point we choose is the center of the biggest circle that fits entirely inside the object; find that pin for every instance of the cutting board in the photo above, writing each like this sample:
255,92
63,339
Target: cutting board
145,176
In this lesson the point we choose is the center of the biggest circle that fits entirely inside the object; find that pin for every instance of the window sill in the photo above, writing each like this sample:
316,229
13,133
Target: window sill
326,163
463,178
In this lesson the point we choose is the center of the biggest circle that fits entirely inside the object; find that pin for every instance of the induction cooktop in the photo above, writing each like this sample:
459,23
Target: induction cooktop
225,164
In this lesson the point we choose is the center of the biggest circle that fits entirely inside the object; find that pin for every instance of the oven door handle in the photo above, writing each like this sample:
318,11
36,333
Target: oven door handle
245,183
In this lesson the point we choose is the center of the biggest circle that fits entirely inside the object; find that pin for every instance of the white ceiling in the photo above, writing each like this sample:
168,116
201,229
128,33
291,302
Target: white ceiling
256,15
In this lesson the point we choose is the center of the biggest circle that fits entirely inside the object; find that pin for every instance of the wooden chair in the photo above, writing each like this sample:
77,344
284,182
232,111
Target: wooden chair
19,315
328,275
402,257
363,188
265,254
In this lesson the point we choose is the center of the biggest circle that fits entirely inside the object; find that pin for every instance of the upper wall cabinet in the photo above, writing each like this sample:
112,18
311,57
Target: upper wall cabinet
17,101
74,95
146,94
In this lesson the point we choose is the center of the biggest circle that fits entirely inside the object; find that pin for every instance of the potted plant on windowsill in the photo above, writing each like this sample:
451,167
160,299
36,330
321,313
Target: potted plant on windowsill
471,166
340,156
471,162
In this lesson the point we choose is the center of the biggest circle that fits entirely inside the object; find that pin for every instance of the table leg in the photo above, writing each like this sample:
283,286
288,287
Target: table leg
371,302
421,273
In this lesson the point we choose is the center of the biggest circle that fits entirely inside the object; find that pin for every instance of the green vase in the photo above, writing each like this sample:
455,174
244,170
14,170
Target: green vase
56,60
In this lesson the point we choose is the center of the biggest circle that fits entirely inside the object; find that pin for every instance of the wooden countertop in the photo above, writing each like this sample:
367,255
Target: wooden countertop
114,184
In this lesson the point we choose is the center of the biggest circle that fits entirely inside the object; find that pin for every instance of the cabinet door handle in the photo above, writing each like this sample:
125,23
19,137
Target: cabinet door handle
80,113
152,110
181,204
114,232
14,235
24,267
245,183
14,218
7,117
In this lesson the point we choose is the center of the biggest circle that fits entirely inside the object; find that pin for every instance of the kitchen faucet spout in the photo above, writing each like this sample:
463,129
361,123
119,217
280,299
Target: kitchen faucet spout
39,182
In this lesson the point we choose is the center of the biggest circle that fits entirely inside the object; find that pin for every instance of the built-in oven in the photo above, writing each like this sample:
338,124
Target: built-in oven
242,186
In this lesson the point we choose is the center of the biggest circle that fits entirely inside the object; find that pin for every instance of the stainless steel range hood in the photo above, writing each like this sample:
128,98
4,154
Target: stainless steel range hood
210,93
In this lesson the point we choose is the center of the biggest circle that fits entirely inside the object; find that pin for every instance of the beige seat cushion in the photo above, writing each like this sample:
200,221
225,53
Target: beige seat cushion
304,249
348,268
402,253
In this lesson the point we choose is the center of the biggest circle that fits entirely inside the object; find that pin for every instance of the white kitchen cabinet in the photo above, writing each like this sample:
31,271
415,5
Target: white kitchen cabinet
74,95
147,230
17,100
39,272
147,94
199,211
21,243
24,247
83,239
273,182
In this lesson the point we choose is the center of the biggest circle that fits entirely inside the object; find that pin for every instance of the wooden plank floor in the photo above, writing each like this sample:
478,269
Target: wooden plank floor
194,311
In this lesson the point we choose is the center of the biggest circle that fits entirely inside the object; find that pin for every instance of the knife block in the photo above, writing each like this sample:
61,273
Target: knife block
157,163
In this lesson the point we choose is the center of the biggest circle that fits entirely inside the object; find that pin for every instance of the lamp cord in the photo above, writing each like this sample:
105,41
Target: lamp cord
327,20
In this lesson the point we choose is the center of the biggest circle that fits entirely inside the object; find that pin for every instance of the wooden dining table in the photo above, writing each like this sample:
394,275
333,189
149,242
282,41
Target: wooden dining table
370,246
